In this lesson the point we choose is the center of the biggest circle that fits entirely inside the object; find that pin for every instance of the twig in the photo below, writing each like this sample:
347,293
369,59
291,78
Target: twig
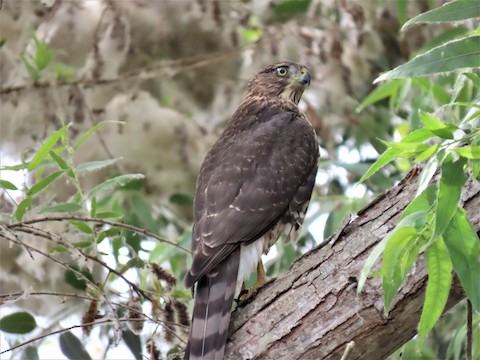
49,236
78,273
104,321
100,221
18,239
162,68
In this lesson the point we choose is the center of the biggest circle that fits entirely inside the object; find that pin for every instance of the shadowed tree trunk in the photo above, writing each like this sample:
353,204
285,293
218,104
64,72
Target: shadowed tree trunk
313,310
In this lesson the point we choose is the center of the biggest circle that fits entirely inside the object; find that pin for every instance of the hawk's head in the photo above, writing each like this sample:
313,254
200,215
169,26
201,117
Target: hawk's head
286,80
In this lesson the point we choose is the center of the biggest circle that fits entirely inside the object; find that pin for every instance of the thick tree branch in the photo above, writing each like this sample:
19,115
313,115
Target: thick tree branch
313,310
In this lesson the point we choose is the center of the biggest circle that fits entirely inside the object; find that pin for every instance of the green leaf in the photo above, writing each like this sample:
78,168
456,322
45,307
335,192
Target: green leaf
427,174
18,323
454,55
436,126
72,278
134,343
292,7
452,11
381,92
92,130
96,165
42,184
24,205
407,149
438,287
143,211
59,160
7,185
387,156
418,135
427,153
181,199
400,253
82,244
57,248
43,55
414,217
469,152
115,182
421,204
30,353
449,191
464,247
82,226
109,214
72,347
46,147
63,207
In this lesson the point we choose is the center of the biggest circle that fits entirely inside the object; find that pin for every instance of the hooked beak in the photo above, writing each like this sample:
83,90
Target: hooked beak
305,77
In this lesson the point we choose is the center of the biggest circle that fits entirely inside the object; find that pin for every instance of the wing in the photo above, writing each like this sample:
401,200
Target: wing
247,182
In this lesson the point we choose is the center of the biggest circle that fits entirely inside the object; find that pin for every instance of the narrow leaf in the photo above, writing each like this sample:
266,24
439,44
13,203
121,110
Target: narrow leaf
427,174
415,219
436,126
418,135
92,130
427,153
452,11
469,152
438,287
398,257
42,184
59,160
109,214
457,54
381,92
387,156
95,165
18,323
45,148
24,205
64,207
7,185
115,182
72,347
464,248
82,226
449,191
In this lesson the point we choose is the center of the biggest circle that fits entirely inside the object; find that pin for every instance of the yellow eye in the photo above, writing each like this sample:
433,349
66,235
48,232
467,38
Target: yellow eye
282,71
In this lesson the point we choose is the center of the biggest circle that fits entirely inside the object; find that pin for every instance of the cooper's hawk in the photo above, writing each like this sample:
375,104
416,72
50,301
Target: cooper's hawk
254,184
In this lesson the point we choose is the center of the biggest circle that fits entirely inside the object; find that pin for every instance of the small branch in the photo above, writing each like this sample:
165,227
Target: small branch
164,69
99,221
104,321
49,236
78,273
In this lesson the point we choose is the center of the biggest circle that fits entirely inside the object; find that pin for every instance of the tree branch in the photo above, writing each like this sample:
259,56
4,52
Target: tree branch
313,310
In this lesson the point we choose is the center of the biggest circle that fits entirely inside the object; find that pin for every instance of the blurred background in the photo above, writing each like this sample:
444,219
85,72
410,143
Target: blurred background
152,84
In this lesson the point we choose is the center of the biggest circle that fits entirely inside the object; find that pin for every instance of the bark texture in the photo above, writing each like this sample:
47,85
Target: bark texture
313,310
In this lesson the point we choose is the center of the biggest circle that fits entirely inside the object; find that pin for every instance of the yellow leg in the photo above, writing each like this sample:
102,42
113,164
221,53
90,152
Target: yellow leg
261,280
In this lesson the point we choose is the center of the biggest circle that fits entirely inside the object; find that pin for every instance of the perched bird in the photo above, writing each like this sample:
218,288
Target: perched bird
254,184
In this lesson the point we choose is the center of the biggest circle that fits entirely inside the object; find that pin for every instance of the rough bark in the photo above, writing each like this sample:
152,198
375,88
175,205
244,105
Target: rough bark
313,310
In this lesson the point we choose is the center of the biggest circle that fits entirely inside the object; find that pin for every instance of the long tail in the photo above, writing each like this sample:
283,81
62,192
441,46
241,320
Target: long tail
211,313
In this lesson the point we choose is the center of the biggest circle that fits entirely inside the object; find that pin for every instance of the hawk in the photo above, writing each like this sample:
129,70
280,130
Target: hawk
254,184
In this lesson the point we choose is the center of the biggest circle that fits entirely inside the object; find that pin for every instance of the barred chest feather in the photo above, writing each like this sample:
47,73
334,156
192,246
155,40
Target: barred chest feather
251,254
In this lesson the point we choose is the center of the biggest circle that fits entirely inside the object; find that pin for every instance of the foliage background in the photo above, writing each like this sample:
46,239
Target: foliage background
107,109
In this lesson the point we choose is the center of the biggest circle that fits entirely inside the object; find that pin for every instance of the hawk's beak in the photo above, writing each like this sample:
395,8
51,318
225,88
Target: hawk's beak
304,76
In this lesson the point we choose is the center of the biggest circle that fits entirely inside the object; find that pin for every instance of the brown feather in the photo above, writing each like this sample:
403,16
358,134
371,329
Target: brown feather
258,176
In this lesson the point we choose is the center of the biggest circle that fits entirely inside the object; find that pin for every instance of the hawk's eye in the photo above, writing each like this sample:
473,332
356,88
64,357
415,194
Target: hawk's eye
282,71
